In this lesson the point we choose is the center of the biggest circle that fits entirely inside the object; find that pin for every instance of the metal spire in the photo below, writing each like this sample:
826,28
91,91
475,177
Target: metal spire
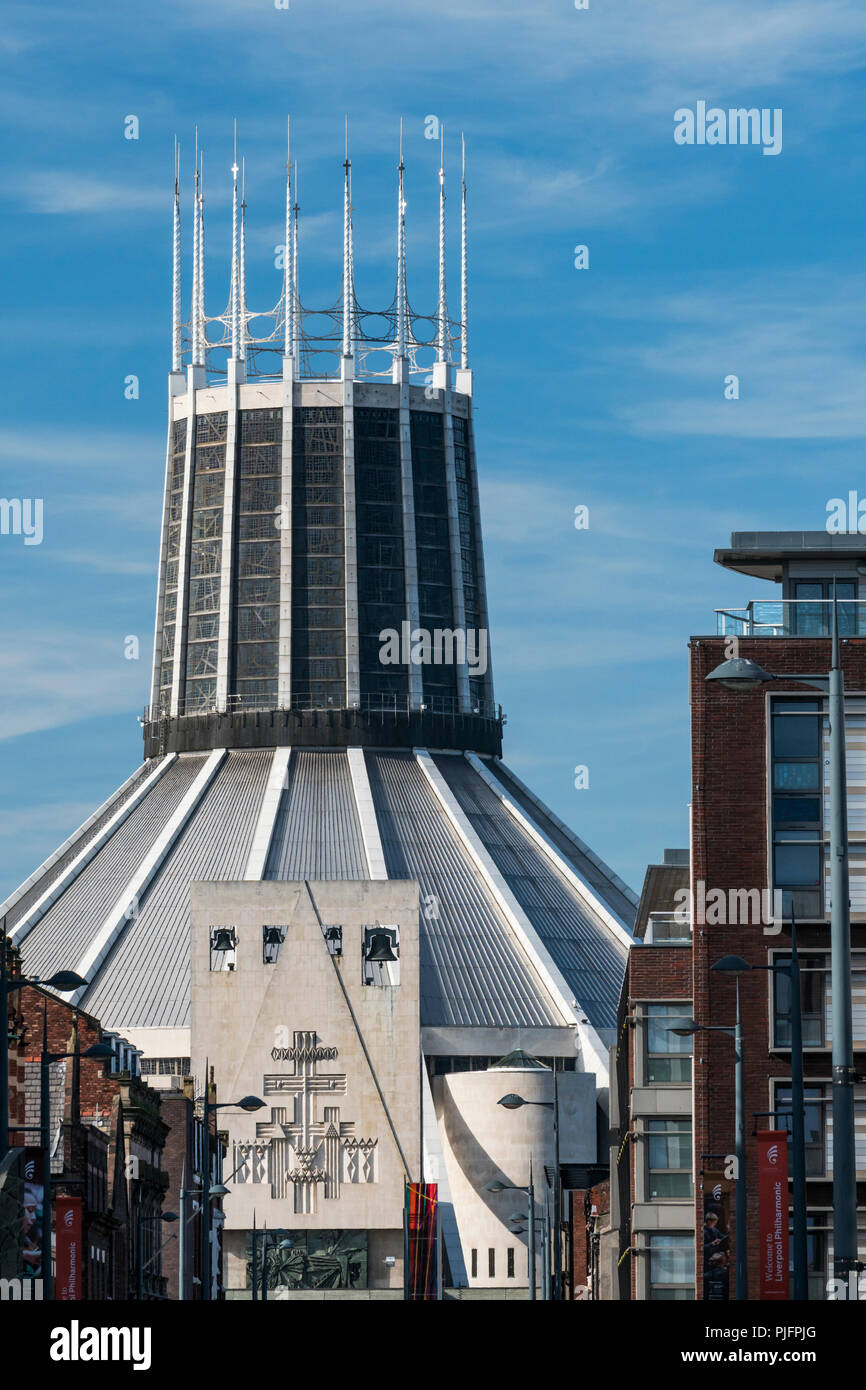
235,284
202,321
296,302
402,298
176,341
194,314
242,286
348,258
443,345
464,264
288,287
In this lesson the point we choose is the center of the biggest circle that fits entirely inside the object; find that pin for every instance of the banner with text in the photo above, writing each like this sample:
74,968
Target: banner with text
67,1279
773,1213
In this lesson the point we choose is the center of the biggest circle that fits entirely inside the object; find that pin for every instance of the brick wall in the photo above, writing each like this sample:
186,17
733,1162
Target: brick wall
729,845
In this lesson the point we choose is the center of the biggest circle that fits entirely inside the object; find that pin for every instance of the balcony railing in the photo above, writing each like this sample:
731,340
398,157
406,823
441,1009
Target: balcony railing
383,703
810,617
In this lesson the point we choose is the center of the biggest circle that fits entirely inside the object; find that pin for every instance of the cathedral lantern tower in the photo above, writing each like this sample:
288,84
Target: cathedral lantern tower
323,881
321,571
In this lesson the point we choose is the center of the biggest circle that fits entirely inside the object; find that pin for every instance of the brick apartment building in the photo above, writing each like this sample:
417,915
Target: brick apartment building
759,828
645,1244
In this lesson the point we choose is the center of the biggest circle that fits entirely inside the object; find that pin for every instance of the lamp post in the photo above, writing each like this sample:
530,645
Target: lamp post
735,965
741,674
283,1245
514,1102
249,1104
688,1030
530,1219
63,980
140,1224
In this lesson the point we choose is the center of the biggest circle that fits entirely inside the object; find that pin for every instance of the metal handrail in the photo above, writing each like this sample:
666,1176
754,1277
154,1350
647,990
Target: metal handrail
372,702
797,617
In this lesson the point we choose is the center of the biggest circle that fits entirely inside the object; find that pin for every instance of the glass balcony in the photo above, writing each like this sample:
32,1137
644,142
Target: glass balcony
792,618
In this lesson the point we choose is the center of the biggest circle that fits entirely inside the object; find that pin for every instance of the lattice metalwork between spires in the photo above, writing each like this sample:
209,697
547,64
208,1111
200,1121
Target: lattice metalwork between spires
314,338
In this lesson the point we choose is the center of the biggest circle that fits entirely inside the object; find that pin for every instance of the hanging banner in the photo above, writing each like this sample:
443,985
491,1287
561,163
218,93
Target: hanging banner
717,1237
773,1213
32,1215
68,1249
422,1235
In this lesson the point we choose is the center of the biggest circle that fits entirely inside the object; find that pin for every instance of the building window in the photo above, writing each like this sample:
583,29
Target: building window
812,610
668,1057
491,1263
798,848
510,1262
819,1129
474,1264
813,978
672,1267
669,1158
816,999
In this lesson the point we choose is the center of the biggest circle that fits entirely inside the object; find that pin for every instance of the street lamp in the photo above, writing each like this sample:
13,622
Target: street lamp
530,1218
514,1102
735,965
166,1216
687,1030
249,1104
63,980
739,674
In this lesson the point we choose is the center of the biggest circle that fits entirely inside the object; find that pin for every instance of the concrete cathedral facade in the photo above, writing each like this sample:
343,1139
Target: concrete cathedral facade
323,882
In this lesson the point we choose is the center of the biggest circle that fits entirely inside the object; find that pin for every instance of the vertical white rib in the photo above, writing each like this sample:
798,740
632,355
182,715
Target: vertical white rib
176,343
442,352
464,272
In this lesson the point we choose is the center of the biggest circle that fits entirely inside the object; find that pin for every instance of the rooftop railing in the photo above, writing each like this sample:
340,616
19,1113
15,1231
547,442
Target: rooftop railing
383,703
792,618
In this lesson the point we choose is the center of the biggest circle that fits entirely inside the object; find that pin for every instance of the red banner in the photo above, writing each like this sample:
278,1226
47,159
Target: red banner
422,1231
773,1213
68,1249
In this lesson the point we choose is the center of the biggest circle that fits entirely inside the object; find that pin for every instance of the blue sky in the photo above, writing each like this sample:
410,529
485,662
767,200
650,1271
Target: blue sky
603,387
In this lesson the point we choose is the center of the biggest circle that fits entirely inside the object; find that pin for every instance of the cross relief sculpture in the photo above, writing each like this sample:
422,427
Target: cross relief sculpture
296,1147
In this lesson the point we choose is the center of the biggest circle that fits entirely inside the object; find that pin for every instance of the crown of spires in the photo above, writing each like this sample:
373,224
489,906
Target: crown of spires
288,315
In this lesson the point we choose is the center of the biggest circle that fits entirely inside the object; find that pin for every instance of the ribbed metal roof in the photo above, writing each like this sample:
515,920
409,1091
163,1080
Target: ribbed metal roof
584,948
52,869
474,972
589,867
59,939
317,833
145,981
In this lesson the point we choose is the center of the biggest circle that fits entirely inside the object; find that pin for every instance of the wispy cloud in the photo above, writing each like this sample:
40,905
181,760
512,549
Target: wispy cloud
795,342
50,678
62,191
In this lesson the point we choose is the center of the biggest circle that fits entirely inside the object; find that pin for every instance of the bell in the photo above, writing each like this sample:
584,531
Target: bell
223,939
273,936
379,950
